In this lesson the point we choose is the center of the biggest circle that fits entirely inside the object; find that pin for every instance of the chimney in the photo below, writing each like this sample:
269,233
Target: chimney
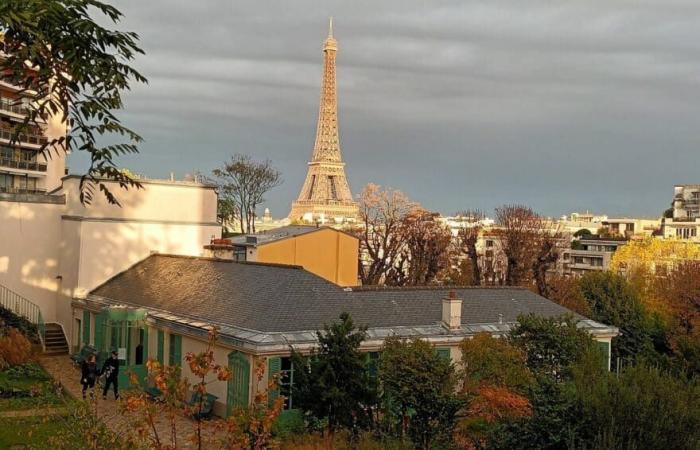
452,311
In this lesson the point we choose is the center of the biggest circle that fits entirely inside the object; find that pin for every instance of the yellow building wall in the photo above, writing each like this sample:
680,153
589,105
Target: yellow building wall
328,253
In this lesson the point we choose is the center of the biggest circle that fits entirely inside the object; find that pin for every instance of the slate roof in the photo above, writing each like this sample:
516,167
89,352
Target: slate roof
277,234
274,298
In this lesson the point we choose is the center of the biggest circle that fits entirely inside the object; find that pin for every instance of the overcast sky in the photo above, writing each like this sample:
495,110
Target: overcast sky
561,105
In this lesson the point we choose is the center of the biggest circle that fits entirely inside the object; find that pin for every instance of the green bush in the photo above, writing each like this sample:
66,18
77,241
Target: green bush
289,423
8,320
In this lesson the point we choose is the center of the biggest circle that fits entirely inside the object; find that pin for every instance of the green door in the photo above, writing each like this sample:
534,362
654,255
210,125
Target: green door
175,353
86,328
239,384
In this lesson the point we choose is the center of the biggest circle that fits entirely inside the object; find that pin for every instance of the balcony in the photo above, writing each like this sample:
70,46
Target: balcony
24,138
25,191
13,107
22,165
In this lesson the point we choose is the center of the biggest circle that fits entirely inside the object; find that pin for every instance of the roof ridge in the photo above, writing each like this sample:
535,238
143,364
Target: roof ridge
250,263
429,288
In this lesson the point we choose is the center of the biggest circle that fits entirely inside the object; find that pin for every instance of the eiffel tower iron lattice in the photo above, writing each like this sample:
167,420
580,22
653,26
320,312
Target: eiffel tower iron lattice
326,195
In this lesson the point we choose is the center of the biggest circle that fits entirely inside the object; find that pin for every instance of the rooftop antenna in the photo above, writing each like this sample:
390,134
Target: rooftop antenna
330,28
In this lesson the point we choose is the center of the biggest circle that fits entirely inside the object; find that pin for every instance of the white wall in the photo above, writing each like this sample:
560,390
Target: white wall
50,253
29,253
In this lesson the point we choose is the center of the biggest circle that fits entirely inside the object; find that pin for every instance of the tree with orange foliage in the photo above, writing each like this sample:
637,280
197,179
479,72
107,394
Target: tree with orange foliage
15,348
251,428
248,428
494,379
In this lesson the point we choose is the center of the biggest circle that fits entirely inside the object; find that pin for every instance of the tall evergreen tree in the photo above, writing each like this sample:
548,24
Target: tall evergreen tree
333,383
418,391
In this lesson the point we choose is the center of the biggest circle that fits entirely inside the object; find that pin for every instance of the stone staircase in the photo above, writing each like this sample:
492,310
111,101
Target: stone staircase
55,342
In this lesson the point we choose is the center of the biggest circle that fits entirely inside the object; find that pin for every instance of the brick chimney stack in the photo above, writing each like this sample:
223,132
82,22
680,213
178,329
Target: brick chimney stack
452,311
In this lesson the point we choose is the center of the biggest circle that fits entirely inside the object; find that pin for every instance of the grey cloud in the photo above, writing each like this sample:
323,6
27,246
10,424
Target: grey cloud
563,105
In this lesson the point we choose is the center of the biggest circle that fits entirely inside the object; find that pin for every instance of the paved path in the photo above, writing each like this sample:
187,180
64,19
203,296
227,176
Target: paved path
64,371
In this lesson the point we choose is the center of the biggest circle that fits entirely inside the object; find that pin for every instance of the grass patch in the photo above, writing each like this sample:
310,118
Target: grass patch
32,432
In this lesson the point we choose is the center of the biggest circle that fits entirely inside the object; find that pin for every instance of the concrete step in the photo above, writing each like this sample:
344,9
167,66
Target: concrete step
55,342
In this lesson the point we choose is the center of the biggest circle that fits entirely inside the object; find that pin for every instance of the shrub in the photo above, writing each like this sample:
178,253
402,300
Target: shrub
9,320
27,370
15,348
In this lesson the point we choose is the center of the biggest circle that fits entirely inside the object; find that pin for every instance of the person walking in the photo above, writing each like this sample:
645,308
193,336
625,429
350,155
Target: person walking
110,369
89,375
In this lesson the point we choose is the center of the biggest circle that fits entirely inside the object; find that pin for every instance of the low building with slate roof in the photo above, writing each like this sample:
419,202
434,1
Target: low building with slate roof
327,252
262,310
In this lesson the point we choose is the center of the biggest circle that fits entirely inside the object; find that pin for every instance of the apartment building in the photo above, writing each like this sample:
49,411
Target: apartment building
685,223
629,227
25,166
592,253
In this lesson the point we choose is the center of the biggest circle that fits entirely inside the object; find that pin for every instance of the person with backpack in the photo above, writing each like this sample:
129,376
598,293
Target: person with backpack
110,370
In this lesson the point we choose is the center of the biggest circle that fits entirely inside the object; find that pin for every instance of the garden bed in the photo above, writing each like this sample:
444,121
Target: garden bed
28,386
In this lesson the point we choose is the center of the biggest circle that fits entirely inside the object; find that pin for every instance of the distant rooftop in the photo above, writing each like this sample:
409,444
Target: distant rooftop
194,182
276,234
601,238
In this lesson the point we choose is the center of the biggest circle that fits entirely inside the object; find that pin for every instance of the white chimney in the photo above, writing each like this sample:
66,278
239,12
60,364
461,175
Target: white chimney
452,311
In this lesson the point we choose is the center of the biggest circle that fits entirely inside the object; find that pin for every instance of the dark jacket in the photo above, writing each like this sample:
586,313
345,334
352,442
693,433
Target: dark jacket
111,368
88,372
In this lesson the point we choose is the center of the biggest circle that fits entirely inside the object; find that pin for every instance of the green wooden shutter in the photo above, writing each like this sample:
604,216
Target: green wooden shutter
161,346
145,344
274,366
86,327
175,350
239,384
605,348
443,352
100,343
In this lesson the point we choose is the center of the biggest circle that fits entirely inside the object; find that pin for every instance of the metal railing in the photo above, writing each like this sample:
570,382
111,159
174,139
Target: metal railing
12,190
23,165
23,138
23,307
13,107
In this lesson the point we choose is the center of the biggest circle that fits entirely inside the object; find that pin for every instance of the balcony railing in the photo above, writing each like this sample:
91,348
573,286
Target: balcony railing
32,138
13,107
23,165
14,190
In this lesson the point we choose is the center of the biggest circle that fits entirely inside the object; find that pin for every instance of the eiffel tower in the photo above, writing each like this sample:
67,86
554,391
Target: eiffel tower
325,195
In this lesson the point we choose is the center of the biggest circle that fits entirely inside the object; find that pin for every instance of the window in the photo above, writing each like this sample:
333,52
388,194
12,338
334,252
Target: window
443,352
6,181
286,381
489,243
373,364
239,253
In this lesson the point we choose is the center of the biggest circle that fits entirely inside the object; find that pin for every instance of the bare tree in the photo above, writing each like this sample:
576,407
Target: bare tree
531,244
548,243
518,230
424,253
467,238
381,214
243,184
